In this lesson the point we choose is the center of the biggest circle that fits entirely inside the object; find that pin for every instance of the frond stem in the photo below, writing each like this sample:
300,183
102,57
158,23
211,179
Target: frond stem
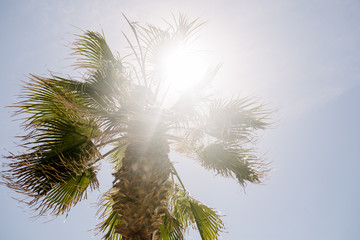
178,177
110,141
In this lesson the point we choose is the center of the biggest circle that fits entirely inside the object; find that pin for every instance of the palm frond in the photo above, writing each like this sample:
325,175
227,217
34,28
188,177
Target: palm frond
54,182
232,161
47,98
221,136
106,88
66,194
186,211
171,229
110,216
117,154
95,104
54,169
93,51
208,222
236,119
106,82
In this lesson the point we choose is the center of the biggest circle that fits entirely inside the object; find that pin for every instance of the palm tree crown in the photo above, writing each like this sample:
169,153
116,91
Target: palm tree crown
117,112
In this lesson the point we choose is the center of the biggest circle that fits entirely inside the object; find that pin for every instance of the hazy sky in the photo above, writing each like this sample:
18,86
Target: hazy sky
301,57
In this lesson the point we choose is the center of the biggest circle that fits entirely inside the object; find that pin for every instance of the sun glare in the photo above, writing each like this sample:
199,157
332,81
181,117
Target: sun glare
182,68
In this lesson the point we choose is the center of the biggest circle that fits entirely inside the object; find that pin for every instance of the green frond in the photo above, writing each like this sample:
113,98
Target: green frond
183,212
65,195
117,154
53,182
106,88
96,105
56,116
232,161
171,229
181,209
208,222
106,83
110,217
221,135
93,51
49,98
186,211
57,164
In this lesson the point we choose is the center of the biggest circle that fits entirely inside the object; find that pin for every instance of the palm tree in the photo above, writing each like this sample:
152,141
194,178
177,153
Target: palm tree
116,111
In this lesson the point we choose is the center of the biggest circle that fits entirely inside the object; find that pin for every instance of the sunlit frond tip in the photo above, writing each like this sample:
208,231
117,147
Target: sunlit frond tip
92,50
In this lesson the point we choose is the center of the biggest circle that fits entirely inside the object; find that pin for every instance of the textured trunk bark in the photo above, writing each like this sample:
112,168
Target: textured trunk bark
142,184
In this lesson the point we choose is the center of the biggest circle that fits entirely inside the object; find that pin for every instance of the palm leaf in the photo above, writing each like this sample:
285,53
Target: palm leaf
106,82
110,216
232,161
220,136
65,195
208,222
93,51
171,229
54,182
54,169
185,211
235,119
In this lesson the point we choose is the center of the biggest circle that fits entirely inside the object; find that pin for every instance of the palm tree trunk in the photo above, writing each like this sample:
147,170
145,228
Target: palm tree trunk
142,184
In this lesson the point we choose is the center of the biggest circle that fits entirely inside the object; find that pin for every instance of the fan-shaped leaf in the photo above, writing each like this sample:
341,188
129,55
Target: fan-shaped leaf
235,119
230,160
93,50
110,216
185,211
66,194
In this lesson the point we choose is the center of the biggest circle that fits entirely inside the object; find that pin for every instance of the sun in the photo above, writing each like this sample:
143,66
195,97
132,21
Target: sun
182,68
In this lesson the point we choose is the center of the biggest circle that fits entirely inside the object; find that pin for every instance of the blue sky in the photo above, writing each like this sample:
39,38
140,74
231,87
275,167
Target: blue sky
302,58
